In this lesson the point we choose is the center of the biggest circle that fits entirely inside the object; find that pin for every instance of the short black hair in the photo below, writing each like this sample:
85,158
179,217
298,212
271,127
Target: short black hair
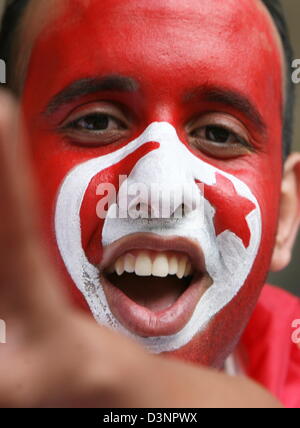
16,8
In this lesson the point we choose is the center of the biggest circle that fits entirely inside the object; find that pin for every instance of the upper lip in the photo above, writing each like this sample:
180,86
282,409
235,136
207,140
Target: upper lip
150,241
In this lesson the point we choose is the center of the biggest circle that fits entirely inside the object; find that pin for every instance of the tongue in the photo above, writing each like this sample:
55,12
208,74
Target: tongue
151,292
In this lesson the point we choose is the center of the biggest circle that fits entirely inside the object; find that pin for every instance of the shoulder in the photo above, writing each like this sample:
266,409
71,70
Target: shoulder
273,298
270,355
274,313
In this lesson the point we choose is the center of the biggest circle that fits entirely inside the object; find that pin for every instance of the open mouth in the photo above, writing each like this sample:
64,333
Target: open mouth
153,283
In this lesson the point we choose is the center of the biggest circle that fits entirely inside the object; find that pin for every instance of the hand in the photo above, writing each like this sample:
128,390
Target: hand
55,355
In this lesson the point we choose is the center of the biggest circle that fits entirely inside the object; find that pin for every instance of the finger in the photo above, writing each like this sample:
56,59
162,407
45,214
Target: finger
28,283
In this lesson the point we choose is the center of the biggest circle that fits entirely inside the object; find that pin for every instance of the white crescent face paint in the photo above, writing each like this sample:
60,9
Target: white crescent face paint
171,165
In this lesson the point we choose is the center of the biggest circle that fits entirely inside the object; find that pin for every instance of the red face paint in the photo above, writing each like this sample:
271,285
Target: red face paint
181,56
225,219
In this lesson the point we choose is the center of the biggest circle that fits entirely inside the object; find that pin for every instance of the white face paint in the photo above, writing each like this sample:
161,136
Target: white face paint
172,165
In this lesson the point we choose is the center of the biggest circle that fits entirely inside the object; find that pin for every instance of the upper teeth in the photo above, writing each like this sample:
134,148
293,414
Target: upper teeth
146,263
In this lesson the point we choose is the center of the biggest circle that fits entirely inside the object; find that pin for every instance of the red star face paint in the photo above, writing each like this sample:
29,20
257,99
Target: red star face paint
153,93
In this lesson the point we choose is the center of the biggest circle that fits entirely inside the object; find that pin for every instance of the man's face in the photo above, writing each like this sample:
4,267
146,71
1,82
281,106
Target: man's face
185,97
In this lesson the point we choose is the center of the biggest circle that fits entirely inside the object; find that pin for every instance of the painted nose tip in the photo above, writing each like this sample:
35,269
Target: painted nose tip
161,201
163,178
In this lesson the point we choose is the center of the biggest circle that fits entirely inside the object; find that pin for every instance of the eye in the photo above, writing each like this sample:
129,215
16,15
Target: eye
96,124
219,135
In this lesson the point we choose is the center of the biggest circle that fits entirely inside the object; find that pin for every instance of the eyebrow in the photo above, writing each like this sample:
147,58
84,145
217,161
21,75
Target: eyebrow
87,86
231,98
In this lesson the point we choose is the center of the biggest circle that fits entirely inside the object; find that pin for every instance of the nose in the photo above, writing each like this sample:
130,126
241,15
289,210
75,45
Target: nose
161,185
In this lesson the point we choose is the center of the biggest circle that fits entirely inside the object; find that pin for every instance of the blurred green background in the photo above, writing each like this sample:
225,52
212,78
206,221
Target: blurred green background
289,278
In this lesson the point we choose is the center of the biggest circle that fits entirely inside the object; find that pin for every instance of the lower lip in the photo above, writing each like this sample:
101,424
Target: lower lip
146,323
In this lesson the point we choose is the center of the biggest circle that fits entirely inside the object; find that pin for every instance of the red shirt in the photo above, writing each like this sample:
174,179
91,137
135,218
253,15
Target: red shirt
269,354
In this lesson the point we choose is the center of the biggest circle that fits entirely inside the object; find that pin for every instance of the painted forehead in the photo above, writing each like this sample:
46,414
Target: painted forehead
37,16
156,36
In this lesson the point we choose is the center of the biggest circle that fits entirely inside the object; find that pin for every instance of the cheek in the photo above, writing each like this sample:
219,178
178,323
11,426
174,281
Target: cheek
265,182
224,331
52,159
51,164
104,187
212,346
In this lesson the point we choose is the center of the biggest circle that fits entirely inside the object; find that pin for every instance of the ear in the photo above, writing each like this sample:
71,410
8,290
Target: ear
289,215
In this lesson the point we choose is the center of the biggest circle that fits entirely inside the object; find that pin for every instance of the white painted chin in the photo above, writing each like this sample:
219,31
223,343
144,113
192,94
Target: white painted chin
228,262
